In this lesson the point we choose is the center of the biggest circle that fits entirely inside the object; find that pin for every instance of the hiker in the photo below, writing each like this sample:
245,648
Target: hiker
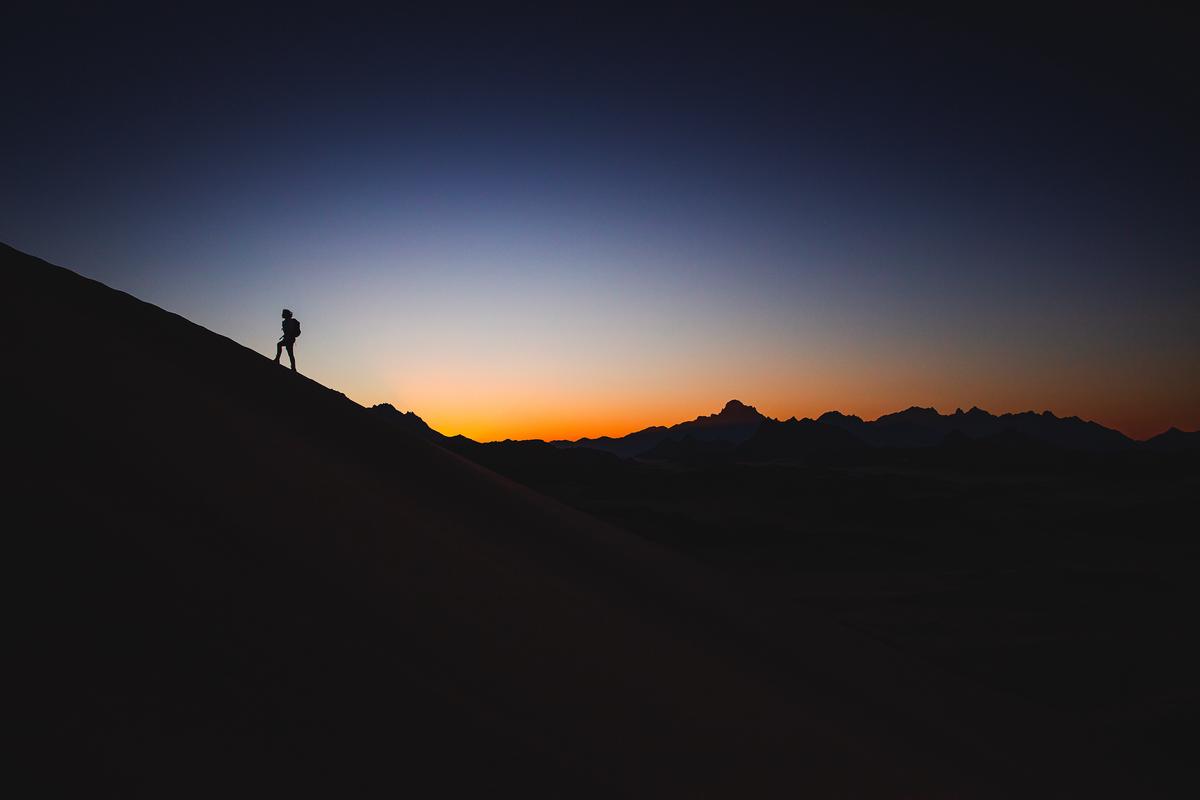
291,329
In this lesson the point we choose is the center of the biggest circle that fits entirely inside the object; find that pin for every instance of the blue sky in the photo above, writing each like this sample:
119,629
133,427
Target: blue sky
558,227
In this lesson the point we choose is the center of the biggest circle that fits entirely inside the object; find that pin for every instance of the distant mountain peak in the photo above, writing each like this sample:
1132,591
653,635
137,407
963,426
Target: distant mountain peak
407,420
834,417
736,408
1173,440
735,413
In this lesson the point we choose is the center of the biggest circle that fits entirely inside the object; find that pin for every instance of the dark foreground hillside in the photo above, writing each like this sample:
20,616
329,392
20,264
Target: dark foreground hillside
1064,578
239,582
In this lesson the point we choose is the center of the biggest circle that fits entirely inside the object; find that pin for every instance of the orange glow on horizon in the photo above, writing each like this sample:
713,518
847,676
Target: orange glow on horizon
518,371
549,423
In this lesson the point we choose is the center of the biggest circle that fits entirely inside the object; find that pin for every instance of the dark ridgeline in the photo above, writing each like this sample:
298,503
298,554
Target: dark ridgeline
737,424
734,423
924,427
1173,440
242,582
739,434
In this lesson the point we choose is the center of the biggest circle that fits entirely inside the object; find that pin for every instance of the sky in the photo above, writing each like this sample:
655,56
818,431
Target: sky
531,225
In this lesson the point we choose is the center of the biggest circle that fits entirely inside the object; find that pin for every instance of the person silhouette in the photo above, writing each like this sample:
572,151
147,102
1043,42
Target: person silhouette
291,329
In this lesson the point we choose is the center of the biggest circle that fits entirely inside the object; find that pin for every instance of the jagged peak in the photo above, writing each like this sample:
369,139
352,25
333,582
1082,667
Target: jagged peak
831,416
735,411
390,407
912,412
739,409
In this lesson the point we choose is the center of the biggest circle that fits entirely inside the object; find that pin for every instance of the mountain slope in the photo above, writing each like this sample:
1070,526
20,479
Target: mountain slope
242,581
1173,440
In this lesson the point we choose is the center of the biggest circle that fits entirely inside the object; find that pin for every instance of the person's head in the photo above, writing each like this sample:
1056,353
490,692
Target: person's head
287,314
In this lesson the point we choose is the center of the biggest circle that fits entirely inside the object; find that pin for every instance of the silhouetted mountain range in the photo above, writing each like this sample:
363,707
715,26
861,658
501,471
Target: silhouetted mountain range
735,423
925,427
739,431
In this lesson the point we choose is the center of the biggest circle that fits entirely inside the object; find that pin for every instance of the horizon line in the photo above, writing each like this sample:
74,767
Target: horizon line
957,412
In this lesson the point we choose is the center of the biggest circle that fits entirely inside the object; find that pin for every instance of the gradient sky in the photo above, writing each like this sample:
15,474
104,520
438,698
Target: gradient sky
532,226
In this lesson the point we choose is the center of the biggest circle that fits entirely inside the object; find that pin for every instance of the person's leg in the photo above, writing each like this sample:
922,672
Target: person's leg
291,355
278,351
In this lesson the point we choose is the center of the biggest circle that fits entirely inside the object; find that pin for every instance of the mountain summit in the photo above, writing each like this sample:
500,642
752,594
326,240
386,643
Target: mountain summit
735,412
735,423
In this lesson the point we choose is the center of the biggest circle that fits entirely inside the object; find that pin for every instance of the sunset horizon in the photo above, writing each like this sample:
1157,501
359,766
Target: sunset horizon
562,396
618,425
520,236
603,402
549,412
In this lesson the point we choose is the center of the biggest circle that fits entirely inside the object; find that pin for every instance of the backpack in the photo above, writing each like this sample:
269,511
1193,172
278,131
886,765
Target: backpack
293,327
